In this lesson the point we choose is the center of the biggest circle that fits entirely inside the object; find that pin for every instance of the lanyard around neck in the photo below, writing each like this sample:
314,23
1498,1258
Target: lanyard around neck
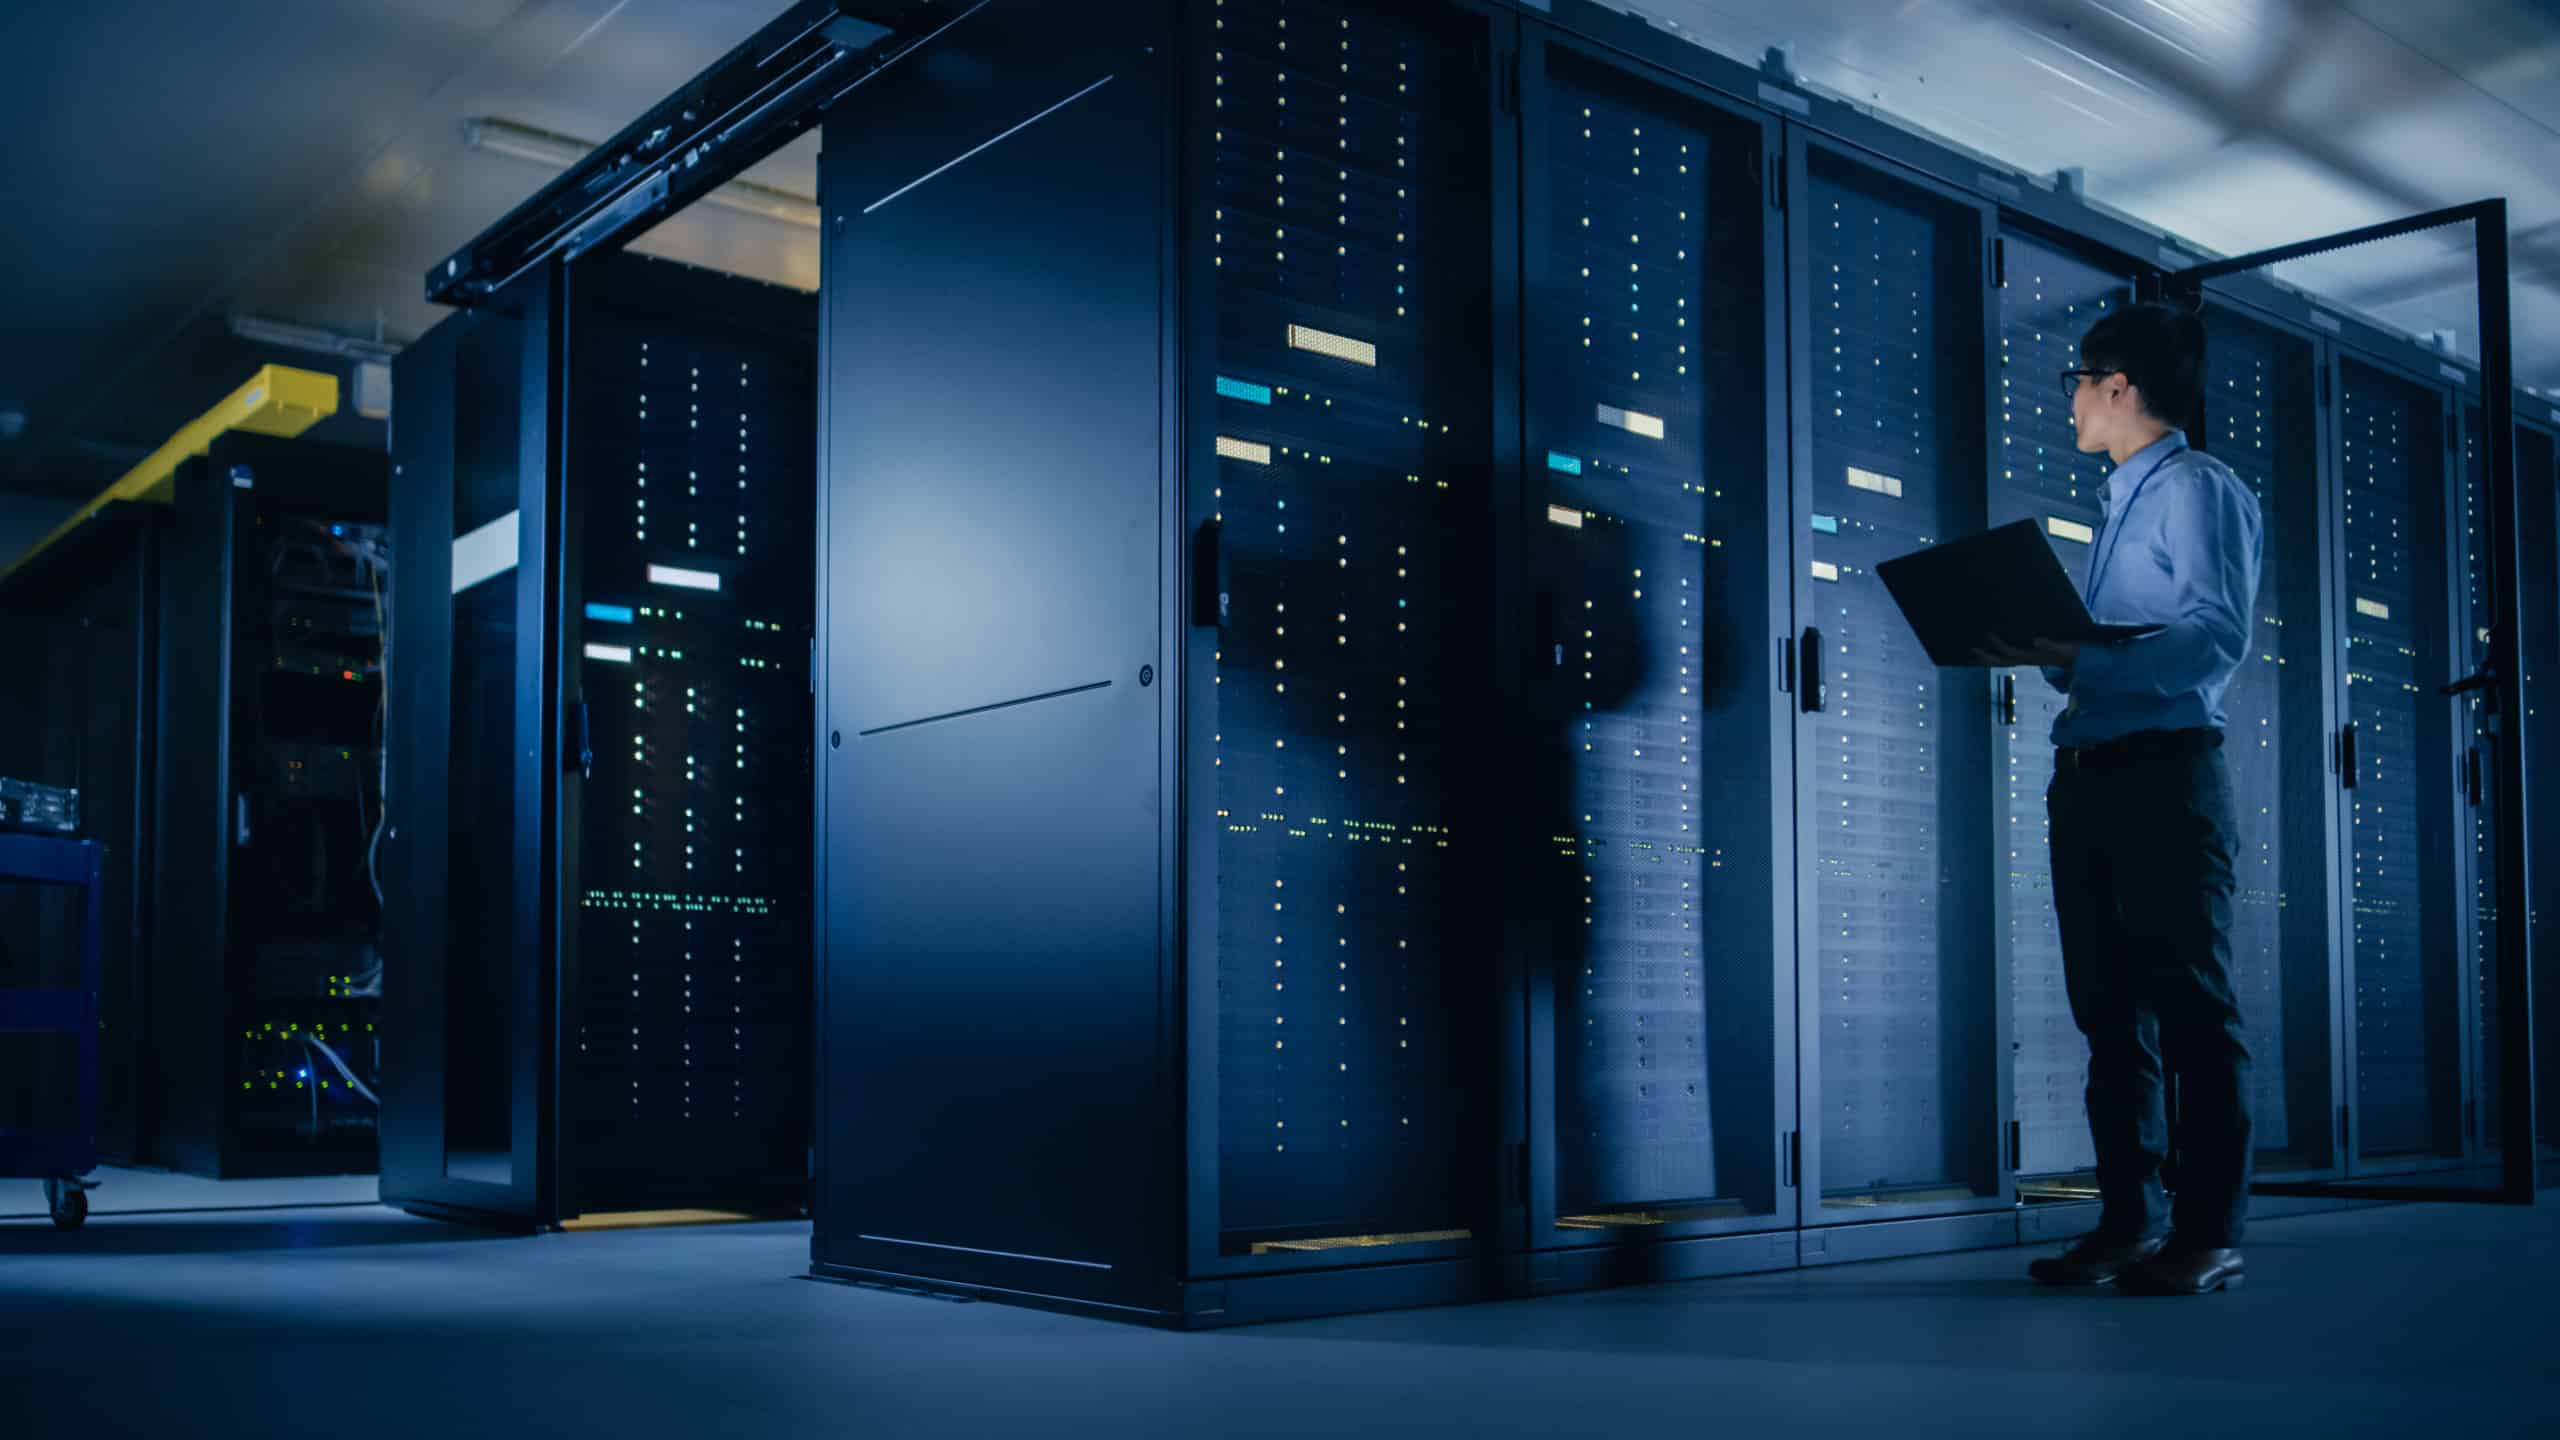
2115,532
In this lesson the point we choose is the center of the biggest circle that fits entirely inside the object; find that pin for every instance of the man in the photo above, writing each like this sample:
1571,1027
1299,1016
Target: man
2142,830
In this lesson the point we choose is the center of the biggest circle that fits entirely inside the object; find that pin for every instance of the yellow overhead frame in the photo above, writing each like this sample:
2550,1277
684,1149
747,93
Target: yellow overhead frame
279,400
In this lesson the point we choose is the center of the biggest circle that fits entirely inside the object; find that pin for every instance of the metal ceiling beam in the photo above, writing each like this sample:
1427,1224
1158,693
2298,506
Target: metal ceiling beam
746,105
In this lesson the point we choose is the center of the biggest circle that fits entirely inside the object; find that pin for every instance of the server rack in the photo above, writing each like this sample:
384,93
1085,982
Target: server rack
1659,1055
78,628
2480,720
2406,958
602,753
257,993
2048,296
1904,1086
2538,533
1235,330
2264,418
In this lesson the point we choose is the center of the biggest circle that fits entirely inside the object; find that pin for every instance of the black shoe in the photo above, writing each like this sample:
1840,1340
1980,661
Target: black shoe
2095,1260
2184,1271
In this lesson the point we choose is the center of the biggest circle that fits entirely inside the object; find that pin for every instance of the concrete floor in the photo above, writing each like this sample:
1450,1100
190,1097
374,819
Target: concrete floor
368,1324
135,1191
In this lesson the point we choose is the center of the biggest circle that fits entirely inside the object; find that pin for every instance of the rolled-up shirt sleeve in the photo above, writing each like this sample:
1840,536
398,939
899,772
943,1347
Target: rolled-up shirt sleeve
2213,542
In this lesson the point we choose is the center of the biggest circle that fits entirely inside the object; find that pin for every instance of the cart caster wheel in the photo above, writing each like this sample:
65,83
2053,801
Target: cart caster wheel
69,1204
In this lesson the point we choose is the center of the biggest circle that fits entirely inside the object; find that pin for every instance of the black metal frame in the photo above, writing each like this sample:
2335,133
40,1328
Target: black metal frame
416,849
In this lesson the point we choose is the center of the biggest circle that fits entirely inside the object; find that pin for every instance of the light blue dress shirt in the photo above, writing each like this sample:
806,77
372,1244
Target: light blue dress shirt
2181,546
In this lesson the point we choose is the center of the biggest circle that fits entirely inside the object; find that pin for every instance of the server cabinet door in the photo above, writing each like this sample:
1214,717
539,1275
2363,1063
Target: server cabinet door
2406,956
1661,1062
1344,820
2538,533
689,454
2262,418
466,994
2048,298
1905,1095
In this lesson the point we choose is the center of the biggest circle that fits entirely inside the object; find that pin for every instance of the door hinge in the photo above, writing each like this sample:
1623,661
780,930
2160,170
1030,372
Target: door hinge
2017,1146
1778,183
2323,373
1791,1157
1786,666
1999,262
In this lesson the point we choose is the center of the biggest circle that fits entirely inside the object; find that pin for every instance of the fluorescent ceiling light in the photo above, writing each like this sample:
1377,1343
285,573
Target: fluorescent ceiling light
558,152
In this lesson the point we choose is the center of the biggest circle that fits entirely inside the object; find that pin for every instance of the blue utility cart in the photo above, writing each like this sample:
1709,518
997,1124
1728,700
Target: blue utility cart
49,1129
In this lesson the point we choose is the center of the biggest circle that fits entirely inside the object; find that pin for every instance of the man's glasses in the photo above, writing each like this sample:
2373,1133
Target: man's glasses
2071,379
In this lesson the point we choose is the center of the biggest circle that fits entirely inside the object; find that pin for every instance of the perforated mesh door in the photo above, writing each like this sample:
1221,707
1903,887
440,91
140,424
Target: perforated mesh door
2408,945
691,455
2048,302
1648,536
1898,785
2260,420
1352,491
2478,740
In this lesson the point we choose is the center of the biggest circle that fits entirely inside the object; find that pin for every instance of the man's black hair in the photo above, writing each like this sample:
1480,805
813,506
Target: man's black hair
2159,345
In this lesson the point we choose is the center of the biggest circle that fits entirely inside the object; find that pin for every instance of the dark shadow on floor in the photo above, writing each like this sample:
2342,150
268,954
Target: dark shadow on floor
237,1232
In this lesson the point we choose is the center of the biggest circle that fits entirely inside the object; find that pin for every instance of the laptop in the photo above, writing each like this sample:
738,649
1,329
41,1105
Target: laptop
2005,581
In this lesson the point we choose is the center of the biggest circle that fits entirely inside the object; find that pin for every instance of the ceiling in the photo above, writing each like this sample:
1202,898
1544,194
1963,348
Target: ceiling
2235,124
305,160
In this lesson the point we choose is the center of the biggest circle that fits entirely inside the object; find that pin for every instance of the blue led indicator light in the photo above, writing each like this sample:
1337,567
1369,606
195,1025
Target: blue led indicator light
1569,464
1827,524
618,614
1244,390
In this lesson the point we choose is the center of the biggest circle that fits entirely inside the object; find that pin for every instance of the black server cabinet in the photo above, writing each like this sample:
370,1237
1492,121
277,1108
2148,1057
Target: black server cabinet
1658,808
2396,612
2048,297
2263,418
2475,741
1158,682
1904,1025
2538,531
259,1054
77,640
600,985
2479,726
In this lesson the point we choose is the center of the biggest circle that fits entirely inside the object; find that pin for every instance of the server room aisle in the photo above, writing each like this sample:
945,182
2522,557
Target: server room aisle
368,1322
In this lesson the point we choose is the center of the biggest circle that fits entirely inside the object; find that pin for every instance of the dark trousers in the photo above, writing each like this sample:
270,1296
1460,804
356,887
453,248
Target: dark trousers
2143,838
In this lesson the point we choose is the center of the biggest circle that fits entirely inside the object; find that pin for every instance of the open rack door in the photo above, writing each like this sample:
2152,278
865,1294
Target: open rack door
2426,1059
469,1099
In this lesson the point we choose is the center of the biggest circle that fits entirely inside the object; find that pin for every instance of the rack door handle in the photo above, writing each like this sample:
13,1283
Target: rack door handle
2347,756
1809,687
1208,578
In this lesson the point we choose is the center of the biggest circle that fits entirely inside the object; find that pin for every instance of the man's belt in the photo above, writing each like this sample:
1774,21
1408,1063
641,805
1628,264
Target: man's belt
2142,747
